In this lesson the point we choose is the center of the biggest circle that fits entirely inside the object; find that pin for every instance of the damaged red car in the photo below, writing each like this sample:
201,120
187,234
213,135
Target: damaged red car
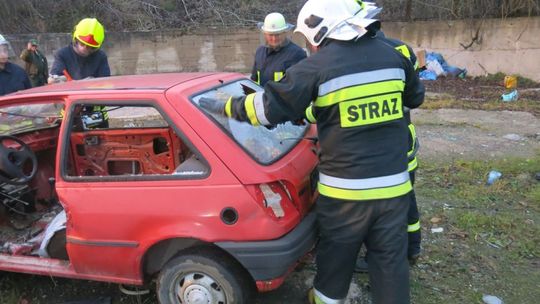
127,180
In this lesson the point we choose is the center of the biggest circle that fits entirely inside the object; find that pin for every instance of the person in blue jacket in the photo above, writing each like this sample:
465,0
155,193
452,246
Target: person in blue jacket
273,59
12,77
83,58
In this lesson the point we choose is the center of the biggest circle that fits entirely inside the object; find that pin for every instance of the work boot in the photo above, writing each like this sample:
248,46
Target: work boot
413,256
361,265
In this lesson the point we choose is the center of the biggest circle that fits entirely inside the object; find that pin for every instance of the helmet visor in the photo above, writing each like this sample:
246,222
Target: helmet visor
6,51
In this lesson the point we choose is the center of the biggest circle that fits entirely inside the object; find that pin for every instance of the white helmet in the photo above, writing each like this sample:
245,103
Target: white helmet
6,46
372,9
336,19
274,23
3,40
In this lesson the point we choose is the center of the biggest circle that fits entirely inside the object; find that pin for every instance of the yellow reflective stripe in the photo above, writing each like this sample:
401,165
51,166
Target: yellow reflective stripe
62,113
258,102
365,194
403,49
412,131
355,79
416,65
278,76
360,91
309,115
319,298
413,164
258,78
249,105
228,107
413,227
372,110
102,110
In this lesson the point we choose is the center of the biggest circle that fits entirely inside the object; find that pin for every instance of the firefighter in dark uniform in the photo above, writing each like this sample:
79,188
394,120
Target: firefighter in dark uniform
279,53
359,87
413,216
83,59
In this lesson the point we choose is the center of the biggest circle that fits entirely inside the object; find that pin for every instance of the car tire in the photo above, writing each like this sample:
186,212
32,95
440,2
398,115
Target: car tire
203,277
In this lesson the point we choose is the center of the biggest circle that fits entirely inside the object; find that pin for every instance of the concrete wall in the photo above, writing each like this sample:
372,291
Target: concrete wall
510,46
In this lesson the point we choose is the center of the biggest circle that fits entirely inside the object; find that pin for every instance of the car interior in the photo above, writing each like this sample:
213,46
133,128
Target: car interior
106,143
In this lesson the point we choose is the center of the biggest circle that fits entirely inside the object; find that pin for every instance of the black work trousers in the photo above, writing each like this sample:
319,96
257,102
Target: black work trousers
382,226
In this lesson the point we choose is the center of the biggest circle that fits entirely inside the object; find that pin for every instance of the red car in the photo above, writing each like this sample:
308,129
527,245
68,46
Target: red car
126,180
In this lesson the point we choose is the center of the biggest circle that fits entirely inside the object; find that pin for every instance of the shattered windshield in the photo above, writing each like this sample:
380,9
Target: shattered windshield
264,145
23,118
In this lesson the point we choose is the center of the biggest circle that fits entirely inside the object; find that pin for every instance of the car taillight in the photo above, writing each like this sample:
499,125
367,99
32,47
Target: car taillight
276,199
272,200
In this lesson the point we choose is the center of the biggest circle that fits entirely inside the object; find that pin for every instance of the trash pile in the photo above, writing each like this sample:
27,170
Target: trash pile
436,66
510,85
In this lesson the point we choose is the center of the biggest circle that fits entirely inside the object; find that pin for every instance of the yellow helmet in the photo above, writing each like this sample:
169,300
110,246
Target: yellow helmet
89,32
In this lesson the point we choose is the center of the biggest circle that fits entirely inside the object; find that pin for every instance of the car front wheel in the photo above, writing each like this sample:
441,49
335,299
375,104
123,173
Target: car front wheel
199,278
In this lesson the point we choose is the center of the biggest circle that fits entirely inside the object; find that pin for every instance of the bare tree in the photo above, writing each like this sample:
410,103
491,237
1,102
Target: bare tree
34,16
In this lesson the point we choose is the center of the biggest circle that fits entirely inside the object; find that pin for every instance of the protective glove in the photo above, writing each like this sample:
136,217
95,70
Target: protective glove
56,79
212,105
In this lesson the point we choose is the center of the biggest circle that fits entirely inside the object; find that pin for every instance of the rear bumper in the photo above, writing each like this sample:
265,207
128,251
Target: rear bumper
268,260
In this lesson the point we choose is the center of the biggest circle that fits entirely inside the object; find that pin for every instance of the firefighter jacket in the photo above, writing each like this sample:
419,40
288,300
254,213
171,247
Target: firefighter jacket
66,61
13,78
270,64
408,53
358,90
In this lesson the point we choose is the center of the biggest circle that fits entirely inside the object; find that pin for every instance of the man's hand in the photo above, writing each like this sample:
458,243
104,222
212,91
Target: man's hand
212,105
56,79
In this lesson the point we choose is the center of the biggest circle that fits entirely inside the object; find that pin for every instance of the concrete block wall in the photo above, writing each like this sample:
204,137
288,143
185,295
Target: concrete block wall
503,45
508,45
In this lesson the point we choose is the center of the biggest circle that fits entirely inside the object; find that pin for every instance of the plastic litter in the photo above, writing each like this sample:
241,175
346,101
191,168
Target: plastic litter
512,136
491,300
437,230
428,75
510,82
493,176
436,66
509,97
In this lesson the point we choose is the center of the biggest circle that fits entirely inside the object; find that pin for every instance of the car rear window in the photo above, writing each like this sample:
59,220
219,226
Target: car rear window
264,145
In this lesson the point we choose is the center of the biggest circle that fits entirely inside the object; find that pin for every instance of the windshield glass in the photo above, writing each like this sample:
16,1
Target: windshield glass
23,118
264,145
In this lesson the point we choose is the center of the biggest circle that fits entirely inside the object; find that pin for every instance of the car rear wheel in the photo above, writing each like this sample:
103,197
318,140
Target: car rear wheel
200,278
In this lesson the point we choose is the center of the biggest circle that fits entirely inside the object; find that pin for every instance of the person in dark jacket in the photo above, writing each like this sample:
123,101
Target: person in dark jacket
273,59
359,87
83,58
37,67
413,215
12,77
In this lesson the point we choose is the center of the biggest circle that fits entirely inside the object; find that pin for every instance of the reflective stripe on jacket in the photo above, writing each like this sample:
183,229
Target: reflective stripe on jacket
413,148
358,102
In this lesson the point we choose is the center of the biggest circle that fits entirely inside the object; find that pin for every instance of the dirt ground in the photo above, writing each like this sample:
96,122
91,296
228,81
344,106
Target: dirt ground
445,134
475,134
